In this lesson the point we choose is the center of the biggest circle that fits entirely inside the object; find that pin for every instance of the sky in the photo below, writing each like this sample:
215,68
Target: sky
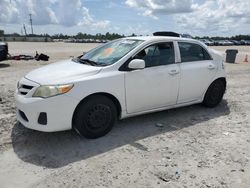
142,17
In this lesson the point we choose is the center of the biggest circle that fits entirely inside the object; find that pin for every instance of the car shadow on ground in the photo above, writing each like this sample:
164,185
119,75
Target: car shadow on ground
3,65
54,150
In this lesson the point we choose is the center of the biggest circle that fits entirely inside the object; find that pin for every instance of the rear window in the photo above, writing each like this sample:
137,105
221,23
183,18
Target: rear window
192,52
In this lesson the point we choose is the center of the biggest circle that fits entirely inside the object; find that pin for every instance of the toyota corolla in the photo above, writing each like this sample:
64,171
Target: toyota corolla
119,79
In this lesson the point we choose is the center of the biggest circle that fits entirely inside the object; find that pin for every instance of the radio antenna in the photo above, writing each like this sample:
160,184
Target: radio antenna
31,24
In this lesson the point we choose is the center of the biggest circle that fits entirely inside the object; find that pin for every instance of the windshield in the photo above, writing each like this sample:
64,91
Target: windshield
111,52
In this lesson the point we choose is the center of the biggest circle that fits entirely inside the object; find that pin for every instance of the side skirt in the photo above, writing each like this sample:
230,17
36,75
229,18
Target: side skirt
126,115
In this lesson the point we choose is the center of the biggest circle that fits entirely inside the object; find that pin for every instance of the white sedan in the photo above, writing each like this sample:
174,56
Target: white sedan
119,79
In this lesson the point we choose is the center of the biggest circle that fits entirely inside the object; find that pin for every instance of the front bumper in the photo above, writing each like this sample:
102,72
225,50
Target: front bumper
59,111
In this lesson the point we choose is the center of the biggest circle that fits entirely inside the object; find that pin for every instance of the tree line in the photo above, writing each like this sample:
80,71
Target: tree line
80,35
112,36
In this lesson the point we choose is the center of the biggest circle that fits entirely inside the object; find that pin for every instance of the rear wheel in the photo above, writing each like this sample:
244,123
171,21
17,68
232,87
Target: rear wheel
95,117
214,94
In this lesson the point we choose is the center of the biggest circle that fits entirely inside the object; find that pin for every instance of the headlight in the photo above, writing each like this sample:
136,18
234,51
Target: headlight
50,91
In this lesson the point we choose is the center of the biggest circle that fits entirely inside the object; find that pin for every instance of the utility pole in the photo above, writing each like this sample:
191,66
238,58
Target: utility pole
31,24
24,29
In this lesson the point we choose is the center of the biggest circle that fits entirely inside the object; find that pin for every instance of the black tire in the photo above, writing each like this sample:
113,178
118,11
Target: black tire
95,117
214,94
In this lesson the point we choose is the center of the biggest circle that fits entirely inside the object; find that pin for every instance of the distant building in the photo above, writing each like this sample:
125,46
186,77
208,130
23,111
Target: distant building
25,39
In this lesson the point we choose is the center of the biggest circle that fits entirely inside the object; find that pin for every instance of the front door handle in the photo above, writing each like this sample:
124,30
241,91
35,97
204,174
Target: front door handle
173,72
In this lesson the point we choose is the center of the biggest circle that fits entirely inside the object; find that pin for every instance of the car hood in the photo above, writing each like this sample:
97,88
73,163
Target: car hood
62,72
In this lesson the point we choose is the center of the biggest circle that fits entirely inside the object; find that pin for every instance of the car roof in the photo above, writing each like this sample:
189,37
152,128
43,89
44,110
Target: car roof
156,38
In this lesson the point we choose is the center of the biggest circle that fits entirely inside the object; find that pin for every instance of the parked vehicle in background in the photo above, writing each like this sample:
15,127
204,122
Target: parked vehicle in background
120,79
235,42
216,42
220,42
228,43
211,42
224,43
242,42
207,42
245,42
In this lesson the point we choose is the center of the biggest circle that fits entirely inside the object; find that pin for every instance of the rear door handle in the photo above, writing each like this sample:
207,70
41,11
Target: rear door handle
173,72
211,66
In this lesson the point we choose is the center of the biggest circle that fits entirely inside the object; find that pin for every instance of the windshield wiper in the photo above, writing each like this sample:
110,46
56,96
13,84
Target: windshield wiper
84,61
89,61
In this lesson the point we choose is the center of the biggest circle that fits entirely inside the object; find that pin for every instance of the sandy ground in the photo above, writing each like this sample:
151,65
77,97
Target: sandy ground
193,146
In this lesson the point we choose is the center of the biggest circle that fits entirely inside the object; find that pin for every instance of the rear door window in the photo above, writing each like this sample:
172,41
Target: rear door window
192,52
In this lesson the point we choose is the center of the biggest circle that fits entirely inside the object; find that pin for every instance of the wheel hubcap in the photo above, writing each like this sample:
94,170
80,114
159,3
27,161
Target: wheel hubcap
99,117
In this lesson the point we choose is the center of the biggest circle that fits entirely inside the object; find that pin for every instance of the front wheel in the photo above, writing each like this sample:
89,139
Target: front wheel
95,117
214,94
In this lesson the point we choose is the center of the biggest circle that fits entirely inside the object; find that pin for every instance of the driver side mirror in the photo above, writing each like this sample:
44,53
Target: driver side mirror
136,64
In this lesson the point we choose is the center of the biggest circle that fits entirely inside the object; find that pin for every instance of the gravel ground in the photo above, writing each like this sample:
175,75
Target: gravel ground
185,147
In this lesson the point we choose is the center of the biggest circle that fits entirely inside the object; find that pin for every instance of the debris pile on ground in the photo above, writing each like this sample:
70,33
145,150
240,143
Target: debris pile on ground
3,51
38,57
